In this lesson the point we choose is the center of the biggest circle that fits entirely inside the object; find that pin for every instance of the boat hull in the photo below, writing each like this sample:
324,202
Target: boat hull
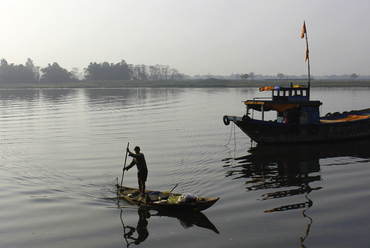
200,204
268,132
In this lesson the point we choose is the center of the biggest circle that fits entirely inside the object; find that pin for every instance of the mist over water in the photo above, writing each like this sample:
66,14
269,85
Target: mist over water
62,149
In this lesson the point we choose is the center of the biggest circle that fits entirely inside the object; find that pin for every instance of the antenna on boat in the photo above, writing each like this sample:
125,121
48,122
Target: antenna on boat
307,58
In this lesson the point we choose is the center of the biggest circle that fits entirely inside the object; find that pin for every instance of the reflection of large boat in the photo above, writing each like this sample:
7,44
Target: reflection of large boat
283,171
267,168
311,152
274,166
164,200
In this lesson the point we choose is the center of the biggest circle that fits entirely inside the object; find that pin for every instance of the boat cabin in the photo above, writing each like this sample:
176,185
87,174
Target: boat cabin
292,105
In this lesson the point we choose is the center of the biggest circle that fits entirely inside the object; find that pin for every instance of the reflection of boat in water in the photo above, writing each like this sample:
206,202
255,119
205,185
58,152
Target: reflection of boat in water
267,167
282,171
288,160
190,219
311,152
277,166
141,228
140,233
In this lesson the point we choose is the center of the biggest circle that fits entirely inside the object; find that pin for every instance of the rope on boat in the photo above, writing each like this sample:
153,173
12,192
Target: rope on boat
232,131
232,156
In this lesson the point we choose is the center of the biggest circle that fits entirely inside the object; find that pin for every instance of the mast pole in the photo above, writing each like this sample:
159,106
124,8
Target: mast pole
308,62
304,33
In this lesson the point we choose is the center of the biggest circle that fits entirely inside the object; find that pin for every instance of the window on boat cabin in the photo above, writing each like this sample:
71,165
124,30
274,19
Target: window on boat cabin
297,93
277,93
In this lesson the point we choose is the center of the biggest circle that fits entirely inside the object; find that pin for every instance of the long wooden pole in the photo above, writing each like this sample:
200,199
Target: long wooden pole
124,165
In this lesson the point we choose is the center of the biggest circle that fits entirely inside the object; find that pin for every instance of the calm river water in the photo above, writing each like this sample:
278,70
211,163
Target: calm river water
62,149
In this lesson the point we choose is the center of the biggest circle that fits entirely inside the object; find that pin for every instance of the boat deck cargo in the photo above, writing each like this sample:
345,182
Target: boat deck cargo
166,200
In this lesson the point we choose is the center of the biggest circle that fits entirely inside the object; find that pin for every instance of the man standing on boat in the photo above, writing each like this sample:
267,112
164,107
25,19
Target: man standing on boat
142,169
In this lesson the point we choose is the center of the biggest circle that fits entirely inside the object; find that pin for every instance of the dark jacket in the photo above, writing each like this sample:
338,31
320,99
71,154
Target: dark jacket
140,162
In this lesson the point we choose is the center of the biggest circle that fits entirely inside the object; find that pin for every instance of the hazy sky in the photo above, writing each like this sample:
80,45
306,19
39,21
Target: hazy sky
217,37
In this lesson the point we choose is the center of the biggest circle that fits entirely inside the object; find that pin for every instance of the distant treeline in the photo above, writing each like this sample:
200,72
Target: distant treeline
53,73
123,72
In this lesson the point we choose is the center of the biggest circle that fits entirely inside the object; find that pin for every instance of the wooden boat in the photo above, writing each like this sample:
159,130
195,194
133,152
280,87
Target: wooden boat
298,120
164,200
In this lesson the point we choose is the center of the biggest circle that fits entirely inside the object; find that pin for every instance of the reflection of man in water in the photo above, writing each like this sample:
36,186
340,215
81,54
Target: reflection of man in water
141,227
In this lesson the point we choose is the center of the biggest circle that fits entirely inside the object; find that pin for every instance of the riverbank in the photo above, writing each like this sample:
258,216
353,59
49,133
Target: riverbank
210,83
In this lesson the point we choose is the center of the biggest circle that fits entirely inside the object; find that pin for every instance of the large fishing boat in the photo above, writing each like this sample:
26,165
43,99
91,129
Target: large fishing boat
298,118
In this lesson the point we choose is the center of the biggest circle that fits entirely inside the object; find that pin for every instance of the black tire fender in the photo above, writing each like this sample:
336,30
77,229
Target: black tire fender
226,120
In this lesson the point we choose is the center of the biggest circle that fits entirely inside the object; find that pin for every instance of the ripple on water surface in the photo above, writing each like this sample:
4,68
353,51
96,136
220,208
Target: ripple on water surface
61,151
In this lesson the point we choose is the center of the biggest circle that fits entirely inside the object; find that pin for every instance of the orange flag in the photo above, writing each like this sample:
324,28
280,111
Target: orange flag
303,29
302,36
